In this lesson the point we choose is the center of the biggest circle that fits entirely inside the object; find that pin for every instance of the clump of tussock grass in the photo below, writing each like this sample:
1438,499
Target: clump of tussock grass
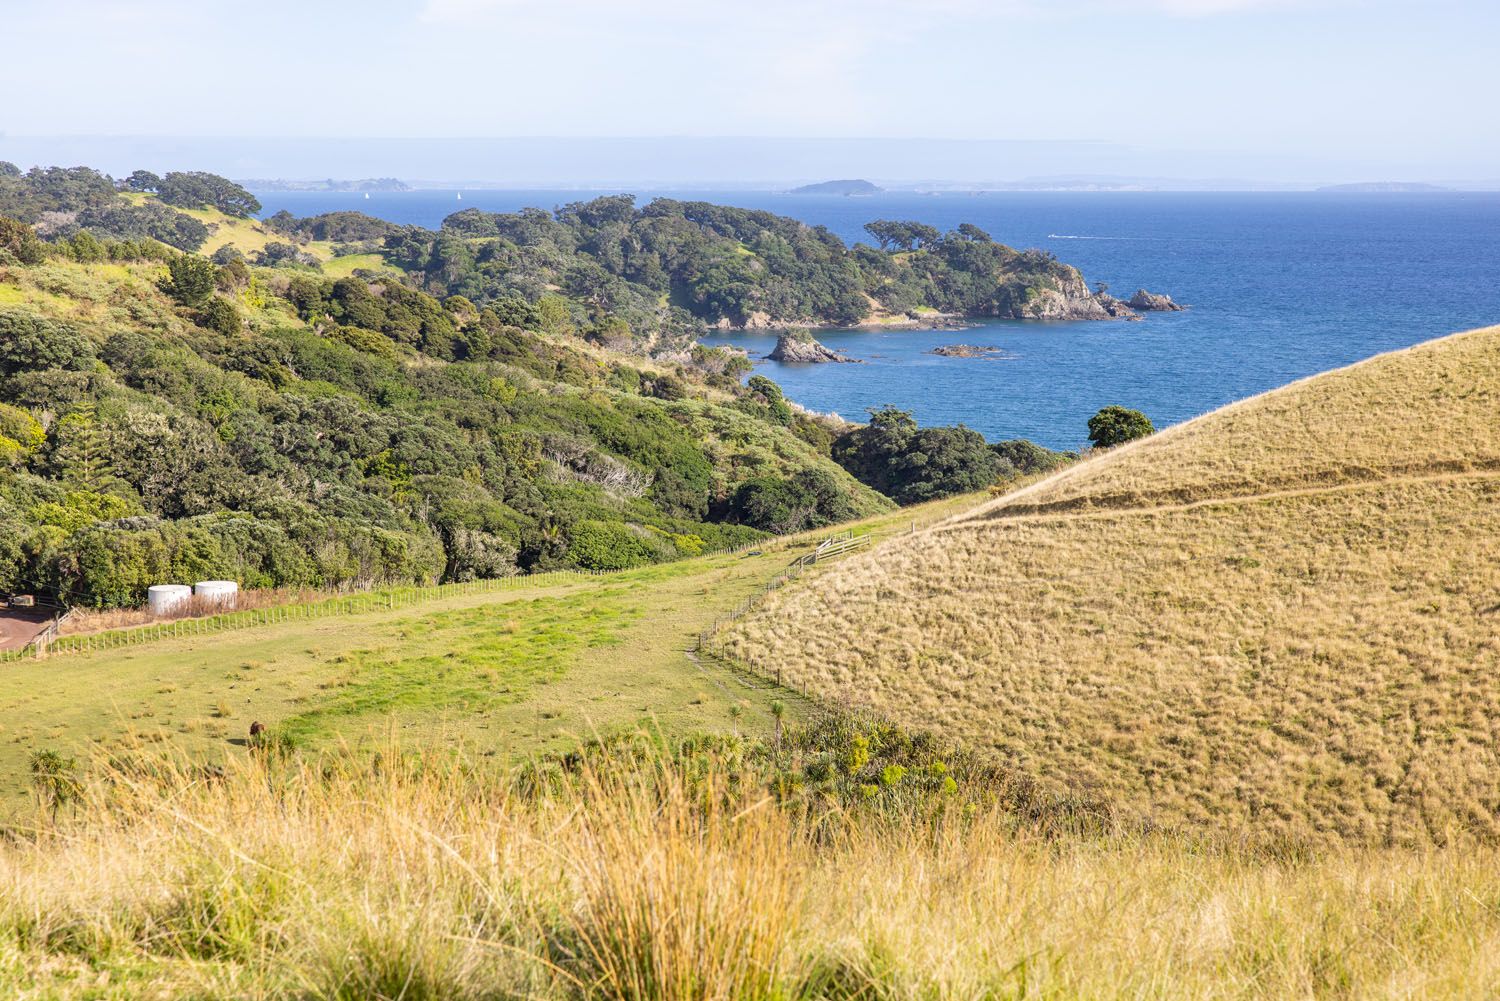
682,892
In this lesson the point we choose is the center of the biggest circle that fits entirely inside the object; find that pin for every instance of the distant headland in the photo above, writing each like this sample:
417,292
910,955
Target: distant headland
1384,187
848,187
366,184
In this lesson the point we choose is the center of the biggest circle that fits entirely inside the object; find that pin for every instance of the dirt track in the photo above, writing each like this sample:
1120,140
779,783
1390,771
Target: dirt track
18,626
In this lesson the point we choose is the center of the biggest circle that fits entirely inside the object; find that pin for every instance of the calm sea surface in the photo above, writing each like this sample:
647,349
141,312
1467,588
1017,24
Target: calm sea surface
1281,286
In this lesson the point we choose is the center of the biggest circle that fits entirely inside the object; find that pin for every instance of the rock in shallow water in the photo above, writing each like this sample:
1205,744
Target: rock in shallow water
968,351
804,349
1153,302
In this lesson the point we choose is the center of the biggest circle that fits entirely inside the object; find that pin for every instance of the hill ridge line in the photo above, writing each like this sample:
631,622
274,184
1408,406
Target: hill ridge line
1086,507
1129,448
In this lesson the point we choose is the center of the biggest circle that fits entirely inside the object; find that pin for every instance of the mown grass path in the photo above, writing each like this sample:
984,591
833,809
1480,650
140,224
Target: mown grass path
503,674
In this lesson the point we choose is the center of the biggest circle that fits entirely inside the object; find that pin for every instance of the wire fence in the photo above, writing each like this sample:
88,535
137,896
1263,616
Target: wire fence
708,642
834,545
49,642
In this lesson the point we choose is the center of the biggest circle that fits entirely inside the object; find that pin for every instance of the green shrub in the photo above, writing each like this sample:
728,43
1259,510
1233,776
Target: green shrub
810,498
21,435
910,464
86,248
607,545
54,779
21,241
219,314
31,343
1019,457
190,280
1116,425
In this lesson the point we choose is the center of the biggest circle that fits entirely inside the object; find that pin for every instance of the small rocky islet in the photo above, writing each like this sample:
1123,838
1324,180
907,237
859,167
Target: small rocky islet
1153,302
801,348
970,351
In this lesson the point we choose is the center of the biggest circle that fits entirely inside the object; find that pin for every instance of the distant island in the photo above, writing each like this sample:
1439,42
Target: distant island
1384,187
850,187
366,184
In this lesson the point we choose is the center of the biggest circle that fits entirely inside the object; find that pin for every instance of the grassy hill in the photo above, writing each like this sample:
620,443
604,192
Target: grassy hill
1277,621
1178,655
251,237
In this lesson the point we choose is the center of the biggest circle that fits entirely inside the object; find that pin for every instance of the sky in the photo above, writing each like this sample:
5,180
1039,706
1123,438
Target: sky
1271,89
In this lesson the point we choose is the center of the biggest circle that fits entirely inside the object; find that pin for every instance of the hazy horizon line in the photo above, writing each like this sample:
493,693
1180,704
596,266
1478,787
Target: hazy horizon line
730,161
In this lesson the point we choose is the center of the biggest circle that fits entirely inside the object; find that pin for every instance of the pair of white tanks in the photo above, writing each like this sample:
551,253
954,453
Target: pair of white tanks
163,598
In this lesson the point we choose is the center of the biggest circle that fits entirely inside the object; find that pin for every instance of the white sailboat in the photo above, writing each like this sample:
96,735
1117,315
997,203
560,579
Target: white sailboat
460,196
367,196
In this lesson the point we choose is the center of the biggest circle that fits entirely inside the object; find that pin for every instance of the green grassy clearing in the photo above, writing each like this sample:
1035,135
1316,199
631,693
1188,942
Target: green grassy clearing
250,236
502,674
246,234
343,267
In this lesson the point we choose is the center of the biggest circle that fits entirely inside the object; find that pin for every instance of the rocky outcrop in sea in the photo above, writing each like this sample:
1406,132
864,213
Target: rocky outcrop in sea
969,351
1064,295
1153,302
804,349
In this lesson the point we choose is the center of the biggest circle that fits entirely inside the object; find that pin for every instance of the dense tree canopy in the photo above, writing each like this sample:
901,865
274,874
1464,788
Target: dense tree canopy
673,266
440,417
893,234
142,180
61,201
32,195
655,275
150,221
334,433
339,227
1116,425
911,464
196,189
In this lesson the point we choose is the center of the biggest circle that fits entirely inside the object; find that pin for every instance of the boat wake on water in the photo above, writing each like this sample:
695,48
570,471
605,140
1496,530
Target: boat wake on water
1133,239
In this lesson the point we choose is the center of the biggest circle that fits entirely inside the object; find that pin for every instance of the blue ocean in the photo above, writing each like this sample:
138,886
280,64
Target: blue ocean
1280,286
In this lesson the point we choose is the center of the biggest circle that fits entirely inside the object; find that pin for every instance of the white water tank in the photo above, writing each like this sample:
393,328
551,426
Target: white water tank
163,598
218,592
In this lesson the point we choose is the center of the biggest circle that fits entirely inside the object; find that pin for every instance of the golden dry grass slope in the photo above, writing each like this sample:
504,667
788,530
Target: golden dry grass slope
1278,621
326,882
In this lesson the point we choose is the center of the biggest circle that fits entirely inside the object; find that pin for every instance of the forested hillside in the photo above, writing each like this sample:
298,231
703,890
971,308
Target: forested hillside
652,276
665,271
144,443
276,416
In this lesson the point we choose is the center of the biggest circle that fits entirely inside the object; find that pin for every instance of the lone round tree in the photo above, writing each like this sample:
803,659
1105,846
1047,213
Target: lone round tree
1116,425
